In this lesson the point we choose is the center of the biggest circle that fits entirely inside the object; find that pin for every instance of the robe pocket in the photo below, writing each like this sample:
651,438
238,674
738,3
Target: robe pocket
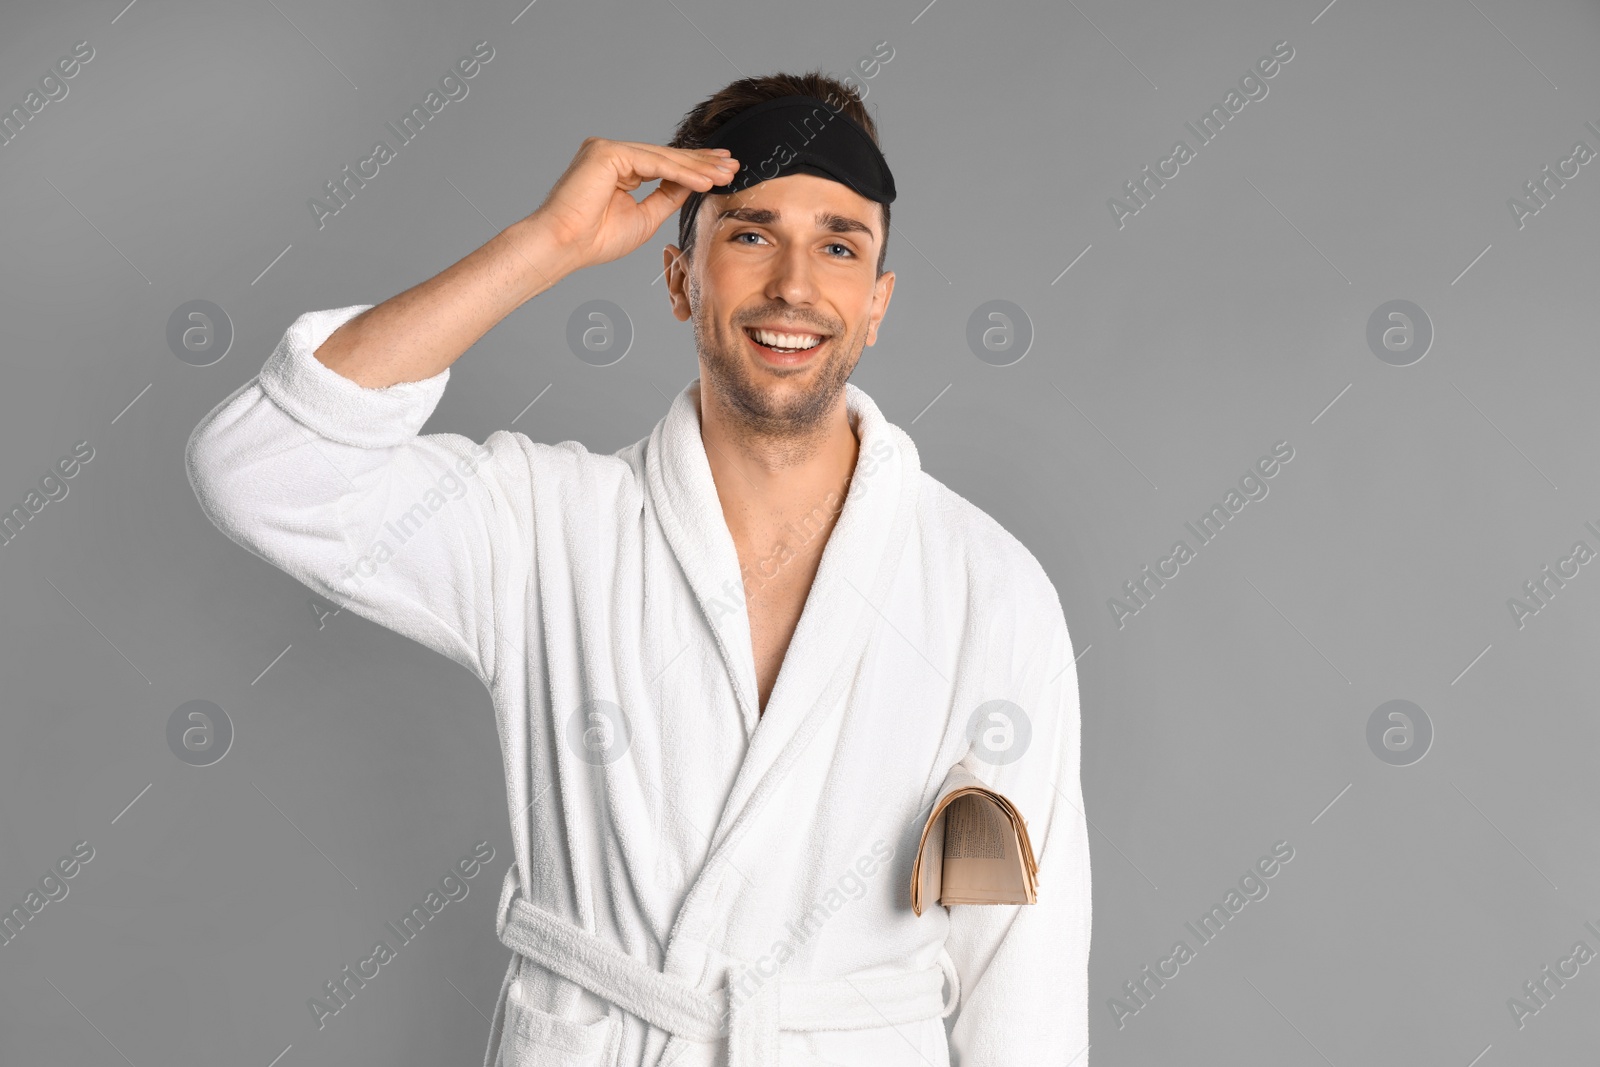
538,1038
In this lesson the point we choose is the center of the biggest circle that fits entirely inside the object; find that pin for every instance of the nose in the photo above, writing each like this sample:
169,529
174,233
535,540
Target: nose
793,278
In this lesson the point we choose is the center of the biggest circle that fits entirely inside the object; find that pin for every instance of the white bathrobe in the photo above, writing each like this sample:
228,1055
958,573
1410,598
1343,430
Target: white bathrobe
690,861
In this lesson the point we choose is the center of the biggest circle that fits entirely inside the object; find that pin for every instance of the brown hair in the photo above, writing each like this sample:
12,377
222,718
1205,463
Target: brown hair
705,118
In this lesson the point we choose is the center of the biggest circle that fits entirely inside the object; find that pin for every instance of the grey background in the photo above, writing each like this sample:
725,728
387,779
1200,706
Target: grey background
1226,316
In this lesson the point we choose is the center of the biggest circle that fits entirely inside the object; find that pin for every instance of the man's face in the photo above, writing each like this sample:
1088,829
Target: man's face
797,256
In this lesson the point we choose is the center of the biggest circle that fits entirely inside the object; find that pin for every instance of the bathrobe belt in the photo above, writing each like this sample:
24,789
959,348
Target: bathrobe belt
751,1022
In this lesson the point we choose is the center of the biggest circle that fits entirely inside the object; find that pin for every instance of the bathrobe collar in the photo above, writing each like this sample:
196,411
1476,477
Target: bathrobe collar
863,548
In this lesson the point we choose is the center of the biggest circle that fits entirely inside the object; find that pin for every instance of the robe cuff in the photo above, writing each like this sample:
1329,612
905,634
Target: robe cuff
332,405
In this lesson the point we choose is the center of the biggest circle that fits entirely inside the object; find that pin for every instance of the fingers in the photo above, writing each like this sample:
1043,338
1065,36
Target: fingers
694,168
698,169
584,204
667,198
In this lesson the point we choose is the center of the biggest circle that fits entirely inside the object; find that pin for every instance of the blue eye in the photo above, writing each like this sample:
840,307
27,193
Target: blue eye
848,251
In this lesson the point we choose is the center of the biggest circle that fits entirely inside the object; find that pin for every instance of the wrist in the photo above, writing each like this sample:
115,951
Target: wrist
541,256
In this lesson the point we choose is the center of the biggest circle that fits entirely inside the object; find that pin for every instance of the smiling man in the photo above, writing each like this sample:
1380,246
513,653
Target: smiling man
732,663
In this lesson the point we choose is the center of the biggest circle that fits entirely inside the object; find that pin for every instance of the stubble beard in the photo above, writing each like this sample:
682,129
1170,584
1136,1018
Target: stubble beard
759,412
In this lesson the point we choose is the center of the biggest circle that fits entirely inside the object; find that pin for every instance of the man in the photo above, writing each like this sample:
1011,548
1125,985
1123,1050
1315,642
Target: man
732,663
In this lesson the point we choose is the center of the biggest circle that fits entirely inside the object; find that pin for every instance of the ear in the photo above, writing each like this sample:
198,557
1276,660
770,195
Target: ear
881,292
676,266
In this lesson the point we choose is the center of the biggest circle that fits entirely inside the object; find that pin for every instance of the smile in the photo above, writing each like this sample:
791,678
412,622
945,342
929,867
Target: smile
785,346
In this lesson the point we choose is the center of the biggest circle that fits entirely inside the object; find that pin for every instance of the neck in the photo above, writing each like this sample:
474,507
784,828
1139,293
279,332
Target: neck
765,480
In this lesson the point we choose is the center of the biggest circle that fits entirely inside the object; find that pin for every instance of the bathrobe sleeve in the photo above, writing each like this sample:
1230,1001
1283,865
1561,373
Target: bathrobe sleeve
1024,969
330,482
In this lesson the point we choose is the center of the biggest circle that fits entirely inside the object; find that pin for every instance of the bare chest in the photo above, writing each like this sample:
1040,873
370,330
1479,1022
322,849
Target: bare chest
775,597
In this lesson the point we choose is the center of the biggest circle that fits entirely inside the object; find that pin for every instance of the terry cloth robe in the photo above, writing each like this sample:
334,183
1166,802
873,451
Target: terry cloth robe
734,883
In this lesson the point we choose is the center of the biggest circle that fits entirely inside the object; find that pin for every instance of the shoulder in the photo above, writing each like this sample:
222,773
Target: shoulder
1002,577
567,469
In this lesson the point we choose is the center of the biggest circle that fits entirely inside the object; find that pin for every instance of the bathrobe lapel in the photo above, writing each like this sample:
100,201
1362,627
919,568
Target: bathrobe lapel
860,555
684,497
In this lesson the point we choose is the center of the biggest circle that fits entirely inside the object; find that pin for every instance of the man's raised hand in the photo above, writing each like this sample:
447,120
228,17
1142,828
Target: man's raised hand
591,209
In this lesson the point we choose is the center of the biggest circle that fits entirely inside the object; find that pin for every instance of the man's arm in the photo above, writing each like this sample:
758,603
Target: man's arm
1025,968
317,464
589,217
416,334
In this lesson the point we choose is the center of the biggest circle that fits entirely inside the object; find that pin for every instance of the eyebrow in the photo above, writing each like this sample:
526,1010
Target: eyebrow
831,221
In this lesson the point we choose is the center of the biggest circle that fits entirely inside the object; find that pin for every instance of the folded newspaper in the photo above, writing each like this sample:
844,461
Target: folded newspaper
974,848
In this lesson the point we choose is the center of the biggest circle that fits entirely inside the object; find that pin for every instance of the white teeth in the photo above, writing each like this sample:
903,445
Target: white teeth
791,341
